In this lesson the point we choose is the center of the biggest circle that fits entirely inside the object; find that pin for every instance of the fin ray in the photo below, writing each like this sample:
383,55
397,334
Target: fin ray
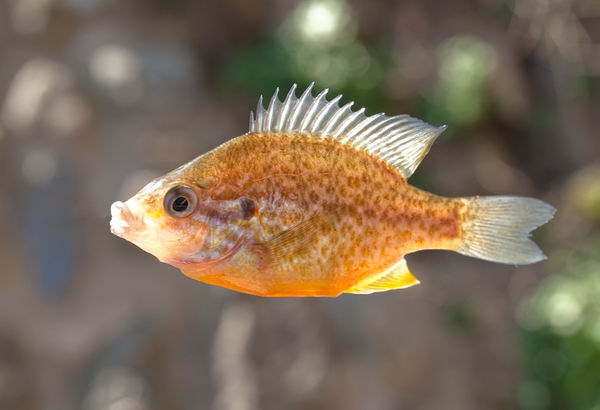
260,115
355,131
323,113
285,109
301,104
273,105
312,110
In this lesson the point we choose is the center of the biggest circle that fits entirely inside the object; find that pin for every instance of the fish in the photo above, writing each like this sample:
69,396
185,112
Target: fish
314,200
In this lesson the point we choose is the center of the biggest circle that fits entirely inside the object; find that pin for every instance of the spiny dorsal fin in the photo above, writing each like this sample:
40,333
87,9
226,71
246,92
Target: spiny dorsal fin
395,277
400,140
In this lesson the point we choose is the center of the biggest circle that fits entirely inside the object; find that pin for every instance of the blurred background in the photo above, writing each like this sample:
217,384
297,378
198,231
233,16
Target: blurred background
99,96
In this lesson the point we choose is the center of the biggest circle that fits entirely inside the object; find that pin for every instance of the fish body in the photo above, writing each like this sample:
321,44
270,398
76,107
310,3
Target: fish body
314,201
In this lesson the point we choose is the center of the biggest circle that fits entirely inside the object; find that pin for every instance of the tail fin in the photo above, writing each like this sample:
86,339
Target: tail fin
497,228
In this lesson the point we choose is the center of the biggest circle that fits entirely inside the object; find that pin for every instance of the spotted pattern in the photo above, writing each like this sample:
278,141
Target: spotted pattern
360,214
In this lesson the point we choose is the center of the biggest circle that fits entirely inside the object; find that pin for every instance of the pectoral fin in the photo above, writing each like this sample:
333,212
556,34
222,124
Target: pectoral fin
395,277
284,249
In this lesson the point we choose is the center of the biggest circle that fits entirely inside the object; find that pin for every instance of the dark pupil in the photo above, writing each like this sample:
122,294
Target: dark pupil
180,204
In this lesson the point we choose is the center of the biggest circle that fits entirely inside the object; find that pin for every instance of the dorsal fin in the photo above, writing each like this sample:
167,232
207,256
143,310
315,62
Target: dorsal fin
396,276
401,140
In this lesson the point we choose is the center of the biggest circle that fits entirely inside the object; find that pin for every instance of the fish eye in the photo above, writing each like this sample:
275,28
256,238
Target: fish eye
180,201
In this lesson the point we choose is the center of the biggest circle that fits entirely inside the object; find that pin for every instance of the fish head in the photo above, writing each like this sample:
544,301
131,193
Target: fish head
164,219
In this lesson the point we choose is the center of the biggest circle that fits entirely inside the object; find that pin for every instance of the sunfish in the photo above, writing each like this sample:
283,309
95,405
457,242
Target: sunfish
314,201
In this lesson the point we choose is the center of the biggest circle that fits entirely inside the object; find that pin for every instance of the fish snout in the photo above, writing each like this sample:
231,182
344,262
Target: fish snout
118,222
123,220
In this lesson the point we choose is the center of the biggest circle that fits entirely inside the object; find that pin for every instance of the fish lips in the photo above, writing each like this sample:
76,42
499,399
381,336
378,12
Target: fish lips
123,221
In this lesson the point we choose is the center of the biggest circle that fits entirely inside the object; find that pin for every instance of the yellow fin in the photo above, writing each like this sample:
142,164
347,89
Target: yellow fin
395,277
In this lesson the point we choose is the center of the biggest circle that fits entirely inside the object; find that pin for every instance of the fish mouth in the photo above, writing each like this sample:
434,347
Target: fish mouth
123,221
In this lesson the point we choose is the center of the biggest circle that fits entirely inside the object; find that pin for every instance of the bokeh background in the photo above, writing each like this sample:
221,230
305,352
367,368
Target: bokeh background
99,96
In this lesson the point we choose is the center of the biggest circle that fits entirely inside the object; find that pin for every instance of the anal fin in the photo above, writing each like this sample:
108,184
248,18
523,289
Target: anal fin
396,276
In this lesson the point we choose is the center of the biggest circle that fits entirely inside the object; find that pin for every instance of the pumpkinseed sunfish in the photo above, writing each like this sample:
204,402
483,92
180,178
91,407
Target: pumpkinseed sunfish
314,201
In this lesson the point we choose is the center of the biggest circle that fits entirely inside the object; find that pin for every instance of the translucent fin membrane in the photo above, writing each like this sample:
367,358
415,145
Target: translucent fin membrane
396,277
500,227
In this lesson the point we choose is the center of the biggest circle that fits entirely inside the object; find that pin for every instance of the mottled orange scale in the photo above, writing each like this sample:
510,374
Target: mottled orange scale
368,216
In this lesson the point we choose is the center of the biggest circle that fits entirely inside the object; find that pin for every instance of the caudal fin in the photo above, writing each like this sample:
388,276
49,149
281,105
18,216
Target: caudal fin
497,228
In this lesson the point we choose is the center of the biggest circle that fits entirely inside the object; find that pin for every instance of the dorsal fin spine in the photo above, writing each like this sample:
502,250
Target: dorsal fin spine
312,110
341,129
251,126
323,113
299,107
260,114
329,126
272,110
285,109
